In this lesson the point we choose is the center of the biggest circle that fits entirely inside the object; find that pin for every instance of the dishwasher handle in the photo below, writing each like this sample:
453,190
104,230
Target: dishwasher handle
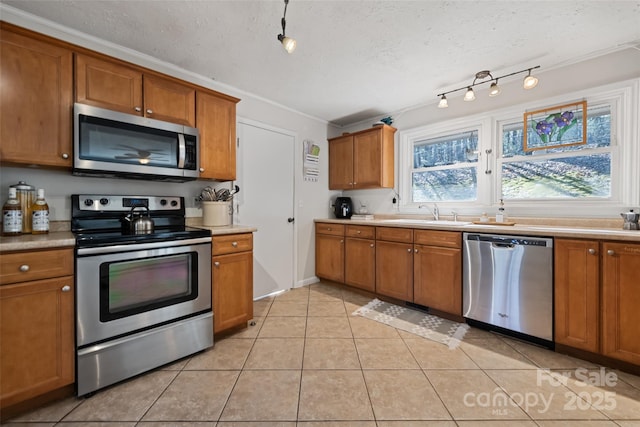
503,245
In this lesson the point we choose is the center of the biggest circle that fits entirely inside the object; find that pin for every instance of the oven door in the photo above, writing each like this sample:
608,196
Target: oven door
124,289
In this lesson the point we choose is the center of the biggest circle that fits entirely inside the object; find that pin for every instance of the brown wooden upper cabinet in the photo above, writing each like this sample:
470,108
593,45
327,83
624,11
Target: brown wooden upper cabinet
118,86
216,121
362,159
36,99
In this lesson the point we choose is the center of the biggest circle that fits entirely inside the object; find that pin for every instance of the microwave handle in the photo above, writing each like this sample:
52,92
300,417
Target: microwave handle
182,151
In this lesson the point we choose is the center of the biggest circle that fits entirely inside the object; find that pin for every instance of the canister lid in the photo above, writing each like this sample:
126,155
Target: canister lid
23,186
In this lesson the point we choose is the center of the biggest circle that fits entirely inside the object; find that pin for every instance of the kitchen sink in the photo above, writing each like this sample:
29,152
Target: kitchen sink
426,221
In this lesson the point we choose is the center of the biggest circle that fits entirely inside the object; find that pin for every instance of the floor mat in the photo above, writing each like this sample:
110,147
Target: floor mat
428,326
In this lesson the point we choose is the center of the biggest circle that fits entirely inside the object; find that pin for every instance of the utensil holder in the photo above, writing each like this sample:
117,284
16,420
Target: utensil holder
216,214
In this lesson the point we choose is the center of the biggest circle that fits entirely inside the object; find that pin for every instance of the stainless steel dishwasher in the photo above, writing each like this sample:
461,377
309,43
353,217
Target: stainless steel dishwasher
508,283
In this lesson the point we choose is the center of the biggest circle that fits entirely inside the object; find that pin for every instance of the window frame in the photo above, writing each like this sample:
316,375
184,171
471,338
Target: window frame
624,98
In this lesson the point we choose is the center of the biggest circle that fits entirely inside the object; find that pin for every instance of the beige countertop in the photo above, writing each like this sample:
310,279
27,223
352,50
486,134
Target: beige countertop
60,239
583,230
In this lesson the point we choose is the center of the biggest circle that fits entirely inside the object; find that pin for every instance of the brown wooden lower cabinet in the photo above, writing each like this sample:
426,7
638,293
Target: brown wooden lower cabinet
394,270
330,251
36,336
437,278
621,301
577,293
360,257
232,280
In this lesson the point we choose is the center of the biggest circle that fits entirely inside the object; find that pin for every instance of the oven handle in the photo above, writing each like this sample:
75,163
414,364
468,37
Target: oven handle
143,246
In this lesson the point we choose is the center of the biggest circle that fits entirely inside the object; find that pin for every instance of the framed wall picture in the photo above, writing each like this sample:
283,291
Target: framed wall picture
558,126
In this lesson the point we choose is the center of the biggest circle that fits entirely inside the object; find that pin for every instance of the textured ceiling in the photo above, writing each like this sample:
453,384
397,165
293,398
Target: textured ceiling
355,59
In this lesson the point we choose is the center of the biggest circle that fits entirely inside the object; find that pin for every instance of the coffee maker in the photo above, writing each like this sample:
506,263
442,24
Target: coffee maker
343,207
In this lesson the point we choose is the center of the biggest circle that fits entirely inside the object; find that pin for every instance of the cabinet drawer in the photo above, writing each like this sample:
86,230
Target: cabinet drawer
33,265
361,231
449,239
392,234
328,228
232,243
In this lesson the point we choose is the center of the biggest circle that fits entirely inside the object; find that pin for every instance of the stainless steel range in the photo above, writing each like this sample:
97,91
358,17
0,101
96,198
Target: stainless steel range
143,294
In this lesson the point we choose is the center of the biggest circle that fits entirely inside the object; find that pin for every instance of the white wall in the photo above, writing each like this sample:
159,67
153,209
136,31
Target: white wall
614,67
310,198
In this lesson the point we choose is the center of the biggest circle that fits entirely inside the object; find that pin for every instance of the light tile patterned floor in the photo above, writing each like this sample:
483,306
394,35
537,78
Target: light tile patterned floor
308,362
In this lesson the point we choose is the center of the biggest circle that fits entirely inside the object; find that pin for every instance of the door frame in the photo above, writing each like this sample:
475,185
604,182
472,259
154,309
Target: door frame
246,121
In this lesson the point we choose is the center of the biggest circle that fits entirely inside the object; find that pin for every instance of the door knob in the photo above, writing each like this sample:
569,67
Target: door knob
290,219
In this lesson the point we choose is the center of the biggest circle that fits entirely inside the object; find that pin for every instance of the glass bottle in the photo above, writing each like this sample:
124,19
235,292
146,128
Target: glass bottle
26,194
12,215
40,212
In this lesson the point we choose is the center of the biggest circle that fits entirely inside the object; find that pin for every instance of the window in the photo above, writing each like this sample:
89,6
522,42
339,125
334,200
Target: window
572,172
468,164
445,168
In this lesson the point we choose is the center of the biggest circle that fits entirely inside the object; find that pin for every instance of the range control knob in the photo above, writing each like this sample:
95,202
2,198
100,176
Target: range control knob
88,202
163,202
104,201
174,203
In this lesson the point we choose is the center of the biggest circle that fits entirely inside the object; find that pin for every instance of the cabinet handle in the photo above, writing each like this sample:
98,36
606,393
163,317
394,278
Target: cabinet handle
328,228
138,109
24,268
592,251
66,288
65,156
409,250
149,111
201,169
611,252
372,245
217,264
341,241
358,232
415,251
234,244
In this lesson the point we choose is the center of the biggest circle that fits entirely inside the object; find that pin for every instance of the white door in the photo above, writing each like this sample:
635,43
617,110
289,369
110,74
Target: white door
266,201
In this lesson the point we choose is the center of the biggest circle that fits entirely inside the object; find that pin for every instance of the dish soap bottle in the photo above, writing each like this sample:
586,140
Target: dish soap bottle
12,215
501,216
40,214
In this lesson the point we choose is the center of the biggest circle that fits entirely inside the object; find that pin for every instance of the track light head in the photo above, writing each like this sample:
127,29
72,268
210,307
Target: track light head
443,102
530,81
494,90
469,95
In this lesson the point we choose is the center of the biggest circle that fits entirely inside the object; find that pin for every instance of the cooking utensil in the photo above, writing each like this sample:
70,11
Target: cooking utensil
135,223
630,220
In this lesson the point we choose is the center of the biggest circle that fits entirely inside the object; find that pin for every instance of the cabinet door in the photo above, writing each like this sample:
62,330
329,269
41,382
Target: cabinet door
373,158
330,257
170,101
216,121
620,301
341,163
232,281
576,293
360,263
394,270
36,101
36,332
437,278
108,84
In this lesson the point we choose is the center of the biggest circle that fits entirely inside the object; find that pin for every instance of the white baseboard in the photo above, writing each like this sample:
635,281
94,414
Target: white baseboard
307,281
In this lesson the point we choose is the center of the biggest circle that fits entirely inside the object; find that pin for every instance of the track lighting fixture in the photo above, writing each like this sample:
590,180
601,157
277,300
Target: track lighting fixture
529,83
288,43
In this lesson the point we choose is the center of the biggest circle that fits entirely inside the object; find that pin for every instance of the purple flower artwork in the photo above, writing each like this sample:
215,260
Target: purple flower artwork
553,127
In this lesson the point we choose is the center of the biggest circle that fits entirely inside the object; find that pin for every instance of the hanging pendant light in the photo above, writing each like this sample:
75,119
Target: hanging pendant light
443,102
288,43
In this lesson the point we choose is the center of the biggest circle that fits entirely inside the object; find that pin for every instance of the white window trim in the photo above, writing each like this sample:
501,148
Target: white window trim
625,177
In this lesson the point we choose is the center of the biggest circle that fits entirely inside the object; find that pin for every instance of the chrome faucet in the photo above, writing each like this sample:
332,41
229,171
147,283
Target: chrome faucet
455,215
436,212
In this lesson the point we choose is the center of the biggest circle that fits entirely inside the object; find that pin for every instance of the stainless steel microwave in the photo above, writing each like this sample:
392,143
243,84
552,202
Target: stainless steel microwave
112,144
